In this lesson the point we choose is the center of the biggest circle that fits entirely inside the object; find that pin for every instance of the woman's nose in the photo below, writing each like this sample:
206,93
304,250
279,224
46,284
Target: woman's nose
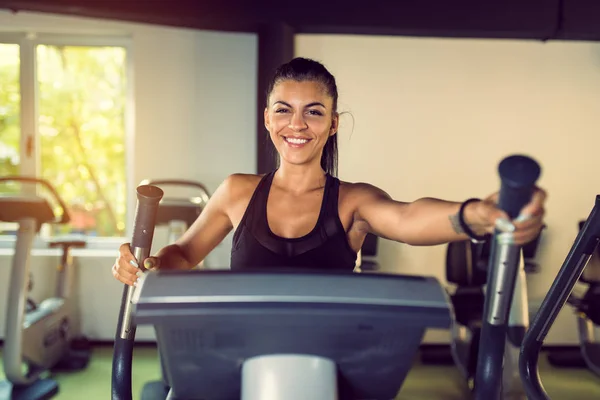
297,122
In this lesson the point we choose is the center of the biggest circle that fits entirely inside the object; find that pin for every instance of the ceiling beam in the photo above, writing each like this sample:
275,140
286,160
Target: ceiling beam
531,19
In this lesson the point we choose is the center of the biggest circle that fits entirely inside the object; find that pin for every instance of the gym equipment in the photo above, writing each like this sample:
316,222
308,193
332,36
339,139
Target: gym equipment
466,269
587,309
212,325
367,258
505,284
148,199
38,335
261,328
179,213
571,270
462,270
328,333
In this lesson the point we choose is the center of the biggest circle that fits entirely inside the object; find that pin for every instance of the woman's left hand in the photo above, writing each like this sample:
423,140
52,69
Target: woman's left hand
482,217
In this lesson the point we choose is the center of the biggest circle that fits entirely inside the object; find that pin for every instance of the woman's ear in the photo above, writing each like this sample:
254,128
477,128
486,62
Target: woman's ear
267,120
335,121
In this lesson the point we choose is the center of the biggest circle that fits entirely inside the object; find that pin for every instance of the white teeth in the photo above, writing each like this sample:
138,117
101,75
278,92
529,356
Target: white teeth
296,140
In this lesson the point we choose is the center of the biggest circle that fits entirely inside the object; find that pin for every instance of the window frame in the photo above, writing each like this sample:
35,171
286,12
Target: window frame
29,165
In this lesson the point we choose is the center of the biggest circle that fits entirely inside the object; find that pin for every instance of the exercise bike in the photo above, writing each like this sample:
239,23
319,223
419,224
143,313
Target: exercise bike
274,335
38,335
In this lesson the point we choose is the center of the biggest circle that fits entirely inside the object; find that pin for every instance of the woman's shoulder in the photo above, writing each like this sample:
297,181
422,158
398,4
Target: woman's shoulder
354,194
239,186
243,179
235,189
359,189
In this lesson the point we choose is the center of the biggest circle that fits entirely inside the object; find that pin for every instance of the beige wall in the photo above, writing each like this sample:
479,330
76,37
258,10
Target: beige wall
433,117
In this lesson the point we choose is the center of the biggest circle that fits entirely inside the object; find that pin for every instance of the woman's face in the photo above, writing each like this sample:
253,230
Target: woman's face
300,118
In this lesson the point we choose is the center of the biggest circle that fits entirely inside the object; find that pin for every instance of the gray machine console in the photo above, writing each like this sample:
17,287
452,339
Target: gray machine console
209,322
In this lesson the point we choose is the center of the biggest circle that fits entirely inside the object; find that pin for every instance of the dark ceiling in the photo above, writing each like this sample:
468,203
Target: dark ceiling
522,19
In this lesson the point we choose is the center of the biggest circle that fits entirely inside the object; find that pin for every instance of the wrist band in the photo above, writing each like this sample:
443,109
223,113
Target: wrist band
463,224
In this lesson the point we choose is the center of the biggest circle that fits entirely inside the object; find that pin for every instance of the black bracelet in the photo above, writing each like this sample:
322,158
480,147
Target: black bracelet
463,224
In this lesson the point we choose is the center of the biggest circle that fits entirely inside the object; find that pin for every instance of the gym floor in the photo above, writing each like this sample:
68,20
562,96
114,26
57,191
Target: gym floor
423,382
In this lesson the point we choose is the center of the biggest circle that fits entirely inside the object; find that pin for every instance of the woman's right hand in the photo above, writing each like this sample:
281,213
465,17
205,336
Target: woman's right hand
126,268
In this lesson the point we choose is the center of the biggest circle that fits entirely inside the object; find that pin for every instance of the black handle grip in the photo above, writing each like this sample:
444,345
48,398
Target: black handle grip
145,215
518,174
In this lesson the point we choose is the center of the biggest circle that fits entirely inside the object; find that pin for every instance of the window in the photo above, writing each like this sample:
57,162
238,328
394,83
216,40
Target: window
10,108
64,117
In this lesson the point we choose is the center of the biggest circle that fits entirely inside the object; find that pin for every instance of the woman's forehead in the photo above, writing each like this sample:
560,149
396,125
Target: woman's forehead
303,91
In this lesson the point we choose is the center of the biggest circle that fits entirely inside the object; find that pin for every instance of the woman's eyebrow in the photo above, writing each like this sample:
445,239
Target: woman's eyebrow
314,103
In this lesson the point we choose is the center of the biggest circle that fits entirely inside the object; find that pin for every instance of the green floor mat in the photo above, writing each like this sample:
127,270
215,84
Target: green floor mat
424,382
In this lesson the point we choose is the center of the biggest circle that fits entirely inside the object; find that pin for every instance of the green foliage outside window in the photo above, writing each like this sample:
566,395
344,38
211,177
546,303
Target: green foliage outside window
81,98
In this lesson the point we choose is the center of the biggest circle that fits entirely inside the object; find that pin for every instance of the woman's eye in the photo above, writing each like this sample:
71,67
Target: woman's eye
315,112
281,110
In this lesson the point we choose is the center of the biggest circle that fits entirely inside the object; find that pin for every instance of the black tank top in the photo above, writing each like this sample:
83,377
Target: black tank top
326,247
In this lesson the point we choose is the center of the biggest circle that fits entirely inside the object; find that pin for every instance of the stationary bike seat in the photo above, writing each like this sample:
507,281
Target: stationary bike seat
67,243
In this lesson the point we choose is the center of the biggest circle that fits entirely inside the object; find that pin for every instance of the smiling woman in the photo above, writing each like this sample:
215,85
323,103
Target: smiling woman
301,215
307,80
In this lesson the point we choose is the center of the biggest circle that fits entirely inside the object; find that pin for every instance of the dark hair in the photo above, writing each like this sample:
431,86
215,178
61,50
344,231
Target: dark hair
302,70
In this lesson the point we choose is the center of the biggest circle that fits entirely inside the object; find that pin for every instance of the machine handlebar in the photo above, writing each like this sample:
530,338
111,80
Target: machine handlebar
518,175
148,198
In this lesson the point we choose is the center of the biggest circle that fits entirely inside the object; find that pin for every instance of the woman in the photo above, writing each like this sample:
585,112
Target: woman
300,215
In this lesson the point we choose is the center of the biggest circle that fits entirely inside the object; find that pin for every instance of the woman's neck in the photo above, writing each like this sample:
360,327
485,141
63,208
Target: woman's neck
299,179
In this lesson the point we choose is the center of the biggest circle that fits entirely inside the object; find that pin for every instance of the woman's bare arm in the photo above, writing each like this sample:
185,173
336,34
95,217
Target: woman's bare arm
430,221
209,229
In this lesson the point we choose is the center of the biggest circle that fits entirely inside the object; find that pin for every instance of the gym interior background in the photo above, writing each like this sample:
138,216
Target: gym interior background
427,117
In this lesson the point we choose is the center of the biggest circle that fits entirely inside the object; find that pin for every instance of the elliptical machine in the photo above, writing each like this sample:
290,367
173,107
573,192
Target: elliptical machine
324,329
38,335
274,334
583,248
466,268
587,310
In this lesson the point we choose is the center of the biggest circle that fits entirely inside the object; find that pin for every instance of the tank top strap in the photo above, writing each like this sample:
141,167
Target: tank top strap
254,209
258,204
331,223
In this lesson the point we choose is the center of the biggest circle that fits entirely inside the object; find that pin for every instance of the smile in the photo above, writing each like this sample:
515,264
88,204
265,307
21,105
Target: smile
296,141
